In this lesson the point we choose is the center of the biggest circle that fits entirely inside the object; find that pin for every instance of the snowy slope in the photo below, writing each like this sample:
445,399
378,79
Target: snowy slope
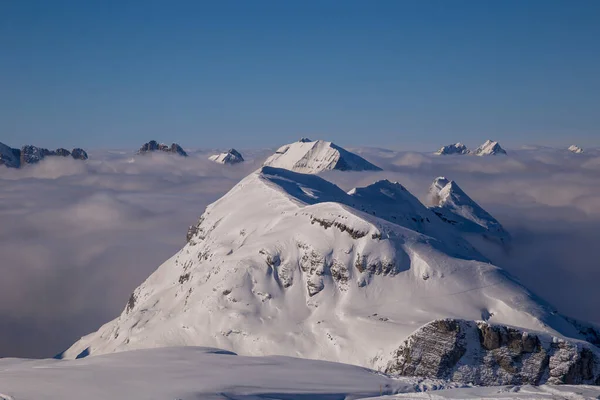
575,149
287,263
311,157
192,373
455,207
489,148
231,156
457,148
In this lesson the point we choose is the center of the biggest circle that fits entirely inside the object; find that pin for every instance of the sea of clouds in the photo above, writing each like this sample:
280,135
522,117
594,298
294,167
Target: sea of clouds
77,237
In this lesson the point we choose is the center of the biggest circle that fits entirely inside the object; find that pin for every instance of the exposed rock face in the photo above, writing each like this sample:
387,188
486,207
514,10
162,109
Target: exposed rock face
231,156
16,158
79,154
575,149
153,145
457,148
483,354
489,148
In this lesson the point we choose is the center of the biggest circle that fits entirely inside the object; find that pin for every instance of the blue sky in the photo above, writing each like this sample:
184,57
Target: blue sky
403,74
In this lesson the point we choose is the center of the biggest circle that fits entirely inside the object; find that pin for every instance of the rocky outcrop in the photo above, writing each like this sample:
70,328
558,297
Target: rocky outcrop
79,154
28,154
153,146
480,353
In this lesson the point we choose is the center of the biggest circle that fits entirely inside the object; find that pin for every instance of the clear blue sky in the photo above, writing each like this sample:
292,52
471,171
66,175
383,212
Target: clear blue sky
407,74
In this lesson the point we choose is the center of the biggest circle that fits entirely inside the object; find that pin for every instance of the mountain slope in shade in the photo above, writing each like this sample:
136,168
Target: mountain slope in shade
9,157
489,148
455,207
457,148
287,263
231,156
312,157
575,149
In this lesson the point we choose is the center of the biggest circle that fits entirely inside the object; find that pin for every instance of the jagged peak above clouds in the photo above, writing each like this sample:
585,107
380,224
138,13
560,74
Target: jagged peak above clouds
312,157
575,149
231,156
28,154
455,207
457,148
489,148
153,145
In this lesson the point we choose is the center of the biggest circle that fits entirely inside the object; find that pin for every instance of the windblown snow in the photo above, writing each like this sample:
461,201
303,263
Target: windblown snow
312,157
289,264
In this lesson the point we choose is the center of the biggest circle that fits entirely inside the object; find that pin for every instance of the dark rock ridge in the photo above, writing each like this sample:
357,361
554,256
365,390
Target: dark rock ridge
28,154
153,145
480,353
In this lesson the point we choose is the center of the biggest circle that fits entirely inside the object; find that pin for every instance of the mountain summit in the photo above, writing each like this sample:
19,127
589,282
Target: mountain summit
312,157
575,149
489,148
455,207
231,156
288,263
457,148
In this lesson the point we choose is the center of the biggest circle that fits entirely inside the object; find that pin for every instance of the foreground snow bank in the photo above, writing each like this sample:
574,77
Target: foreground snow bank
193,373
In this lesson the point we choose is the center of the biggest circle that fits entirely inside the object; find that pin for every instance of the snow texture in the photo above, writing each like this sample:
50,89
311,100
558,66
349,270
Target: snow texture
193,373
312,157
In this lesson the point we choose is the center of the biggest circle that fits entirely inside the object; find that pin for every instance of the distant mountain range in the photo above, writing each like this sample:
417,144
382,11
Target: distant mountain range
17,158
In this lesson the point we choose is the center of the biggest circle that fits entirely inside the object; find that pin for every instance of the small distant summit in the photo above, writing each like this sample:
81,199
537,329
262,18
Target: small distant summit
455,207
457,148
489,148
153,145
575,149
231,156
311,157
28,154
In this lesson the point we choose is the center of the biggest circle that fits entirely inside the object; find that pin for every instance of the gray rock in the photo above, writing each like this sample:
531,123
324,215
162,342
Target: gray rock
153,145
484,354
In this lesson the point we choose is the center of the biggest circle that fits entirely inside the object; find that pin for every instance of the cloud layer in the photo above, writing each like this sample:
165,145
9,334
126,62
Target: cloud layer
78,237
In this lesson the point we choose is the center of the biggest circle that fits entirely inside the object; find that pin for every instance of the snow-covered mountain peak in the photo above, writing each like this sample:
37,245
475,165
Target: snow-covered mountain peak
457,148
575,149
312,157
489,148
288,263
231,156
456,208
